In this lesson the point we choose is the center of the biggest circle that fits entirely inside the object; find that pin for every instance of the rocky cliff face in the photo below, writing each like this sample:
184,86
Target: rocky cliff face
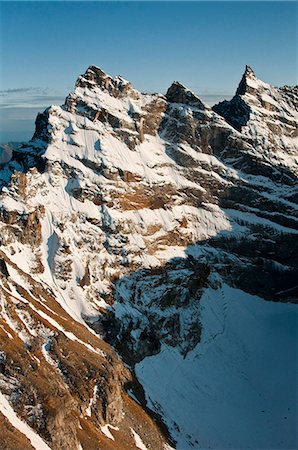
117,219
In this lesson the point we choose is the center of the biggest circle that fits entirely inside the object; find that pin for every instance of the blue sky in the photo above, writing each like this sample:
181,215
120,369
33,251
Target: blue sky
205,45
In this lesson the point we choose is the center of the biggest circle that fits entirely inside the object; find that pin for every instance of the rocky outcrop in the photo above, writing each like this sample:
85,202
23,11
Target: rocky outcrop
94,77
177,93
161,307
24,227
235,111
3,271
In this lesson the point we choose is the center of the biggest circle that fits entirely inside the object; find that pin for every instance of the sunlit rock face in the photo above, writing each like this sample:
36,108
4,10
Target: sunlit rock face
135,231
268,117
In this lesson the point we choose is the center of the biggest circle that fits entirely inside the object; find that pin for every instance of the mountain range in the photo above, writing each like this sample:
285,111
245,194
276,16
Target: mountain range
148,271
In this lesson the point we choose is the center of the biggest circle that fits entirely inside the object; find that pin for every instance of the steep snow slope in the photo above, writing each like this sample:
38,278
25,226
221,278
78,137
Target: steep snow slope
236,389
122,217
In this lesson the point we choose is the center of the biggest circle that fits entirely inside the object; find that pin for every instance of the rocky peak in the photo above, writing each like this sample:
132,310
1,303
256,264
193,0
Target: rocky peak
267,115
112,102
94,77
247,80
178,93
249,72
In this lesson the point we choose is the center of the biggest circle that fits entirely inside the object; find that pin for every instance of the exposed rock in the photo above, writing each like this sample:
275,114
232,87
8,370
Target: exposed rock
177,93
236,112
161,302
95,77
245,86
3,268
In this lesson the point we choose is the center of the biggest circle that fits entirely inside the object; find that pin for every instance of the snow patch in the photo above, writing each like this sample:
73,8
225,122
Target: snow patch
138,440
21,426
106,431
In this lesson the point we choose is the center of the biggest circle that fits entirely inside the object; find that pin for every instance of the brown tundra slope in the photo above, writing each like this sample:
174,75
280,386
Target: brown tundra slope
148,268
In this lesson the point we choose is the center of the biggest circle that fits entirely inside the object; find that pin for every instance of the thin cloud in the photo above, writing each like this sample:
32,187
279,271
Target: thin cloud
40,101
4,92
27,90
19,107
26,97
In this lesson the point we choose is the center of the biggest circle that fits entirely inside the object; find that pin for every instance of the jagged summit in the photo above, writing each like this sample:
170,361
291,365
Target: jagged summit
119,87
95,77
178,93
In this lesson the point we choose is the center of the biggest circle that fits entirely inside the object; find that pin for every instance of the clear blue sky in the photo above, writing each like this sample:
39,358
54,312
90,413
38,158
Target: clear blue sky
205,45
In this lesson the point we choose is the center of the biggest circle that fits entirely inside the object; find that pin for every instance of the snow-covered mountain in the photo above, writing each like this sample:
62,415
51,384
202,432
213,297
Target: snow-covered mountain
148,271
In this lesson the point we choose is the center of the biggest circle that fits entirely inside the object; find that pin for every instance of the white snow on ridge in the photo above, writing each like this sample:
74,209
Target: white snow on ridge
21,426
237,388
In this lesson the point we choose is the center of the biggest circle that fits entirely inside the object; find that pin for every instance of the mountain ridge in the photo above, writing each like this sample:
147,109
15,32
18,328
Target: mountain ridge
123,215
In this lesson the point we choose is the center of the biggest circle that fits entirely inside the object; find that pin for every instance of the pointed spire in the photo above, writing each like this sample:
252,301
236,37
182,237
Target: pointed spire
249,72
245,84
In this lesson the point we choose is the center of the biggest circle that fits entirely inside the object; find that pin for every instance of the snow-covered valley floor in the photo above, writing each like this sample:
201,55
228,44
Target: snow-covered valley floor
238,388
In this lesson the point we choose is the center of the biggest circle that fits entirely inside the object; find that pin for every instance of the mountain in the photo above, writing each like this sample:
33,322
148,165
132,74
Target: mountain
148,271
